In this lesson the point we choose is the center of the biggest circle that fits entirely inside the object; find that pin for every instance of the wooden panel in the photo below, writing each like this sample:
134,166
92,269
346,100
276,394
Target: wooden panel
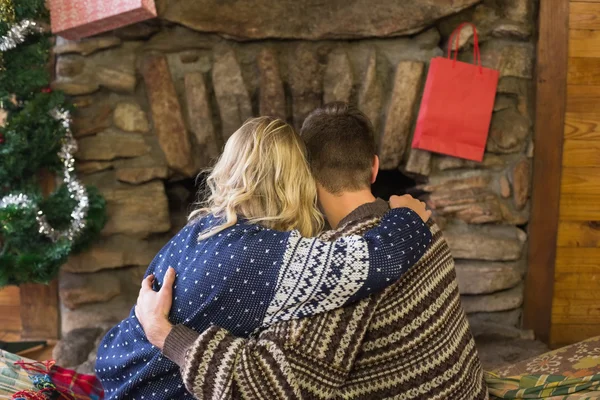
10,320
580,207
570,280
584,16
552,55
576,306
584,43
566,334
583,180
573,313
583,99
9,296
577,286
584,71
576,294
582,126
578,260
10,317
567,311
584,292
579,234
39,311
581,153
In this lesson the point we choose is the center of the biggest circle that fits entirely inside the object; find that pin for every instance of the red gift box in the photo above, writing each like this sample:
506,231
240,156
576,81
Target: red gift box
457,105
76,19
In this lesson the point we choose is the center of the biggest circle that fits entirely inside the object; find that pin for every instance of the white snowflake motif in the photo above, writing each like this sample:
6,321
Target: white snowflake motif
547,364
582,348
575,358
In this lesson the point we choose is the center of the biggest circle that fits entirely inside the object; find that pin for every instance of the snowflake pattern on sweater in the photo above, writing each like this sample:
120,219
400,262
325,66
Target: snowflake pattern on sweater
247,277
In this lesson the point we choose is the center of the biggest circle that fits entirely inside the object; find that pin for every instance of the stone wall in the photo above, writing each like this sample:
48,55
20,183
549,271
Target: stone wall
156,101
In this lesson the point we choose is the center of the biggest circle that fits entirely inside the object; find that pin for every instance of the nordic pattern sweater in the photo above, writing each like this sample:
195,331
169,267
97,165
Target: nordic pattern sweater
248,277
411,341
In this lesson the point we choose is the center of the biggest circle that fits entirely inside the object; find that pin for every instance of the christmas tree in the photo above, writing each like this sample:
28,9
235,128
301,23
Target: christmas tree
37,233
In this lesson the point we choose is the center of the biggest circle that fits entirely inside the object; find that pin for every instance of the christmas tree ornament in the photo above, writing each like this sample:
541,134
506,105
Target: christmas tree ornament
76,190
17,34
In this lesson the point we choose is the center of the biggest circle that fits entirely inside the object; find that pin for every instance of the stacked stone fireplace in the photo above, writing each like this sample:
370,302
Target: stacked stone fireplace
156,101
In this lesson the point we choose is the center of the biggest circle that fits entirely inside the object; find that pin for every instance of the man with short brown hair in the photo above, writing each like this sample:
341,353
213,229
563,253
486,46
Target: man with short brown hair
410,341
341,145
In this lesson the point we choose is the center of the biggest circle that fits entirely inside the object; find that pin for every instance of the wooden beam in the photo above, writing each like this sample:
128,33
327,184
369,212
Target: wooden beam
551,88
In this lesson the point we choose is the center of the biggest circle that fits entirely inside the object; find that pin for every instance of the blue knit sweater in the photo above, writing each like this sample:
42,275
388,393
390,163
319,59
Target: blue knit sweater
247,277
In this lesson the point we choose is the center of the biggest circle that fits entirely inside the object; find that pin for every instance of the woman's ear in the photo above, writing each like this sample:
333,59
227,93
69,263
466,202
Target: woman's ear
374,169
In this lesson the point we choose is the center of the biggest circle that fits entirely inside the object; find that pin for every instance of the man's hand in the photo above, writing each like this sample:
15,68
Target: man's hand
410,202
152,308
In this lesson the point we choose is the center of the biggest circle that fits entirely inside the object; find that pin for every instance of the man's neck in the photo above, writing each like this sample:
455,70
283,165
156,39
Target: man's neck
337,206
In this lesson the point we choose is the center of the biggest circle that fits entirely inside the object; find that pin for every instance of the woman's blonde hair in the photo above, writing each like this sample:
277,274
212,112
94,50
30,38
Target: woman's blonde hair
263,176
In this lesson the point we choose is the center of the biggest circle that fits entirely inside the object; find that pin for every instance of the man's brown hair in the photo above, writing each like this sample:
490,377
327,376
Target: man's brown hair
341,145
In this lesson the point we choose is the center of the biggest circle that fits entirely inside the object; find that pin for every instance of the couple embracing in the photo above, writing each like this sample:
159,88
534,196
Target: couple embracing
253,299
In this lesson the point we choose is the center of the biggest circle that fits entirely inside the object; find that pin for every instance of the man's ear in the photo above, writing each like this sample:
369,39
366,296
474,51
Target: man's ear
374,169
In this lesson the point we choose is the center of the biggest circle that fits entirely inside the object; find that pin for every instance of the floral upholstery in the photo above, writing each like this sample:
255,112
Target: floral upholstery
577,360
572,372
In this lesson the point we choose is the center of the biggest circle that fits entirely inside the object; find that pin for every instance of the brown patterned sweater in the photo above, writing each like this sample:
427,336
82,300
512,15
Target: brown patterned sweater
412,341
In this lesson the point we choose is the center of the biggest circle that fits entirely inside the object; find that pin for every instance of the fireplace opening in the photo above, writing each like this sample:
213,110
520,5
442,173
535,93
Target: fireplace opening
391,182
184,195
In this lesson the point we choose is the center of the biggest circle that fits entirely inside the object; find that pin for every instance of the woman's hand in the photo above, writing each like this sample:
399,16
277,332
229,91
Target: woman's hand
410,202
152,308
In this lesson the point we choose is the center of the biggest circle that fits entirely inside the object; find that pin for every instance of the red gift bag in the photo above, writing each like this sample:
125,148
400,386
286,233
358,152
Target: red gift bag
457,104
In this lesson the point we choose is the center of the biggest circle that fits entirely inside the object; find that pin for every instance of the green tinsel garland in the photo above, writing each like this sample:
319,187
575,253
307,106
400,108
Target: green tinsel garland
29,143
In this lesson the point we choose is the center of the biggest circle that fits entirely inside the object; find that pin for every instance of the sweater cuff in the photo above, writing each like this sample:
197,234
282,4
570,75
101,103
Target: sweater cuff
178,342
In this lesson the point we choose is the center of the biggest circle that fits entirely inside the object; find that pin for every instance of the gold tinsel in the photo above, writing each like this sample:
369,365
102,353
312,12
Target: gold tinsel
7,11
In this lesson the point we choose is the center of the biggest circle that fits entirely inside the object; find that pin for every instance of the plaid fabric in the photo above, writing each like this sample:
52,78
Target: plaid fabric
13,378
544,387
17,375
572,372
79,386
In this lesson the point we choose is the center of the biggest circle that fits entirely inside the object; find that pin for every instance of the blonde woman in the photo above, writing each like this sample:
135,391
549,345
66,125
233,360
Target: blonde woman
246,260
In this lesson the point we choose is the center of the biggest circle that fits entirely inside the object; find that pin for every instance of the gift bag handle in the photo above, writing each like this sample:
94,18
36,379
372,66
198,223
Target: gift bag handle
454,42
